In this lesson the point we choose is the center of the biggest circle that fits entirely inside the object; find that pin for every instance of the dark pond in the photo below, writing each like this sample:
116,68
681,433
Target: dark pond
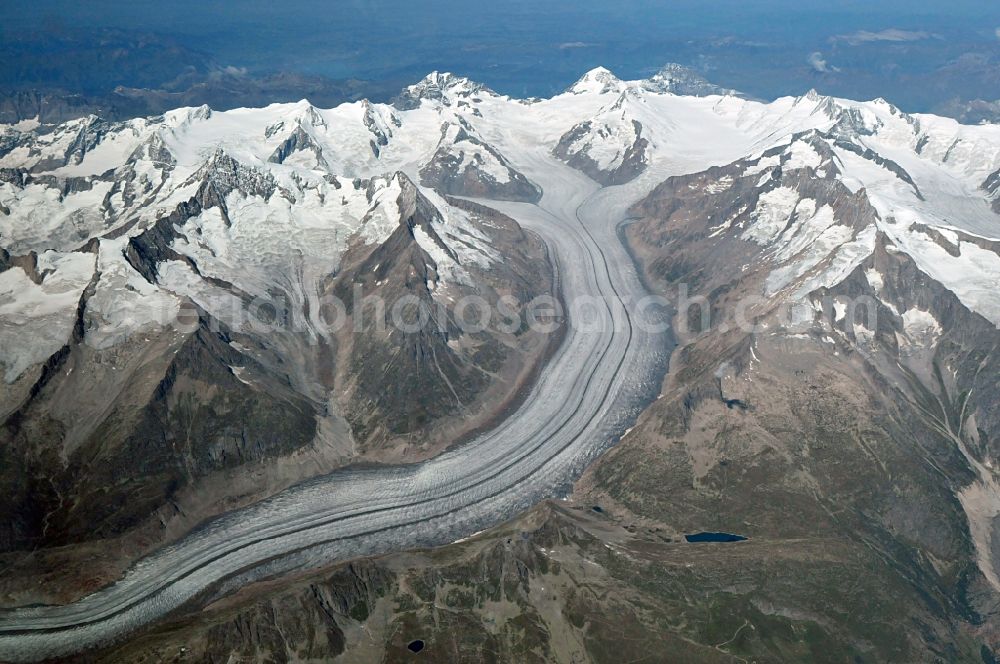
416,646
714,537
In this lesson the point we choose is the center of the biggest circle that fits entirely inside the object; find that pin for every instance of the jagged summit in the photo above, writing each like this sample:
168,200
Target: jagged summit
306,113
184,116
813,95
443,87
672,78
467,165
677,79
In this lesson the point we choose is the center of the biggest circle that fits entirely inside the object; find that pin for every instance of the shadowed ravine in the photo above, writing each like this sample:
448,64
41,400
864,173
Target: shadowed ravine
592,389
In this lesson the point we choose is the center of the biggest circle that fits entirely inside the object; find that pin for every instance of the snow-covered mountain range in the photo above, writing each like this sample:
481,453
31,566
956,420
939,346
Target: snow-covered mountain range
65,185
112,232
294,180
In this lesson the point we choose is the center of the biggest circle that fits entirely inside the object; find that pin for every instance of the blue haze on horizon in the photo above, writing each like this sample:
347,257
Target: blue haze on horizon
917,54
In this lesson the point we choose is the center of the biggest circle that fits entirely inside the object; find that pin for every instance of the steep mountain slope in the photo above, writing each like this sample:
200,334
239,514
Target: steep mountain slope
610,147
464,165
616,144
829,273
183,328
831,267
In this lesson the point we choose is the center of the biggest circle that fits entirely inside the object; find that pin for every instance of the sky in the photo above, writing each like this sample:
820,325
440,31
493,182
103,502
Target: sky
916,53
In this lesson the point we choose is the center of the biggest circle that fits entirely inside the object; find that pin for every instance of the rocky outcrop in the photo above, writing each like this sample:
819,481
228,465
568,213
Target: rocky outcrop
677,79
992,187
611,147
297,141
465,165
221,175
148,249
27,262
441,87
170,420
380,127
400,381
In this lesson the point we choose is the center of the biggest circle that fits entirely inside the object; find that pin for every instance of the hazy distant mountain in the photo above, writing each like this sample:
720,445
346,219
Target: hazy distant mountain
222,90
977,111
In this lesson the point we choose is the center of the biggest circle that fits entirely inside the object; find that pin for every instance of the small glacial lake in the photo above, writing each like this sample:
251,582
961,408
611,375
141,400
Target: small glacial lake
714,537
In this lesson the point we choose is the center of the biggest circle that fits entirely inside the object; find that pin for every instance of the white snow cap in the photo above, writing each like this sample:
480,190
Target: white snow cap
598,81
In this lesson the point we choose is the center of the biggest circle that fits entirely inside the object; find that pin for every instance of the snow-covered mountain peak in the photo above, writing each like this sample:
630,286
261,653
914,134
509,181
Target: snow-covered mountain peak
299,114
184,116
677,79
813,95
305,113
850,118
810,149
441,87
64,185
380,122
465,164
410,197
598,80
226,174
612,146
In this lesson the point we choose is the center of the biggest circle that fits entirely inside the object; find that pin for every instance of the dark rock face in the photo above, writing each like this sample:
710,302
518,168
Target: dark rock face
173,420
992,187
399,382
573,149
465,165
27,262
684,245
224,175
147,250
296,141
419,377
